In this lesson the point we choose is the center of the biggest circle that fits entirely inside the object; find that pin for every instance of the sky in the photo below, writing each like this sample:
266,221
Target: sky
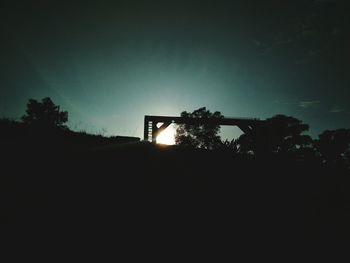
109,63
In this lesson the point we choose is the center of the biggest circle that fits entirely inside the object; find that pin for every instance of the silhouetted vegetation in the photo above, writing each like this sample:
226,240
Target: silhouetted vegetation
44,114
275,183
45,125
204,136
279,135
334,146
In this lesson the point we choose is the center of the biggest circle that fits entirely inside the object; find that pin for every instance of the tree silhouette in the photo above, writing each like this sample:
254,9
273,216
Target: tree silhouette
281,134
334,146
44,114
203,136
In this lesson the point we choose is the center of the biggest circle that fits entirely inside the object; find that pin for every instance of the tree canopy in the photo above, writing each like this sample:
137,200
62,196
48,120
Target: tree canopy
44,114
204,136
280,134
334,146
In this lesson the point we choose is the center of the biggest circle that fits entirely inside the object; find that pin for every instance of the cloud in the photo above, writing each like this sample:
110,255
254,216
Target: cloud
282,102
335,109
309,104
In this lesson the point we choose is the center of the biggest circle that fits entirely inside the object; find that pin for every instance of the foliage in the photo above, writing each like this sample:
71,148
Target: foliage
204,136
280,134
10,129
44,114
334,146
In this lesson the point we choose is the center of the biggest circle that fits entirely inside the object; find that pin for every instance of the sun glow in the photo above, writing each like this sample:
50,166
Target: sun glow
167,136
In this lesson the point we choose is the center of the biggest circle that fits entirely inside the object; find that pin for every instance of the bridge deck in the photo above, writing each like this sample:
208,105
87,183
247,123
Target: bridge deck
151,121
218,121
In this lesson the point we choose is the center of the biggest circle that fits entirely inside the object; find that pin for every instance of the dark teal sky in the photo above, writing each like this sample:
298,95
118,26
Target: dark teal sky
111,62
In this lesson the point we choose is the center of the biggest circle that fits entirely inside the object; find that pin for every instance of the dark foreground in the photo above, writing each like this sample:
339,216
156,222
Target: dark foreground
138,192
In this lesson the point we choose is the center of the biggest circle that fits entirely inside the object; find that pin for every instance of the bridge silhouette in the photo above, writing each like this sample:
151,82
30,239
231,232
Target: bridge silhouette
152,128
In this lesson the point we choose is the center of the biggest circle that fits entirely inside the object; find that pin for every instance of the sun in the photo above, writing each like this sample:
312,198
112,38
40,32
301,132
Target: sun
167,136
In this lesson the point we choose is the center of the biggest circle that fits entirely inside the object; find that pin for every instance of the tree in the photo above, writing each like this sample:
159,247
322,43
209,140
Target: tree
279,134
204,135
44,114
334,146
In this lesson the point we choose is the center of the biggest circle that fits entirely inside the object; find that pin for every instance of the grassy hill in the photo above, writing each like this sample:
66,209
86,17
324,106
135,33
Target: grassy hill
140,186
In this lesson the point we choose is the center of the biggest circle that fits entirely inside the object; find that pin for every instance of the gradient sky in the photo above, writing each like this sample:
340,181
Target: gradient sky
109,63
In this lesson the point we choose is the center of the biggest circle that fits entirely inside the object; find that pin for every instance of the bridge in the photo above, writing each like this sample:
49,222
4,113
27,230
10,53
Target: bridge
154,125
